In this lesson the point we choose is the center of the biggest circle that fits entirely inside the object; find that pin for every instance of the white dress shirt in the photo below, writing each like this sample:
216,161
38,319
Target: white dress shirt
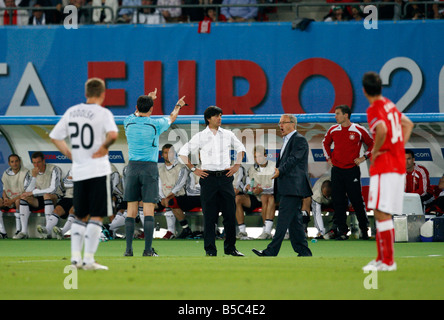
214,149
284,144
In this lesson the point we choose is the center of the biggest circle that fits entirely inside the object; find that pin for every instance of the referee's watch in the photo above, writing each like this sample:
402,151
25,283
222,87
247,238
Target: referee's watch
193,169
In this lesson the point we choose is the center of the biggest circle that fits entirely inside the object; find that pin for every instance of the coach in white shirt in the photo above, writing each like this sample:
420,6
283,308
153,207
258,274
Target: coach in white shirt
216,178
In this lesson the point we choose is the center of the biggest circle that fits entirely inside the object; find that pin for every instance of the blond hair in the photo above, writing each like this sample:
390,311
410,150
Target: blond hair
94,87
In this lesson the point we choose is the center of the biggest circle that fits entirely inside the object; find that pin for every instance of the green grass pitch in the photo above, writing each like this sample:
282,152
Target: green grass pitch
34,269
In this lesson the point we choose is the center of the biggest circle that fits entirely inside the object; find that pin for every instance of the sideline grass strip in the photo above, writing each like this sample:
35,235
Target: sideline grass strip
34,269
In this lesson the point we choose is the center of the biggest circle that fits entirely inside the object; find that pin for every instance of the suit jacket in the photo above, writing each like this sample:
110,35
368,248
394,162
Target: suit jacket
293,168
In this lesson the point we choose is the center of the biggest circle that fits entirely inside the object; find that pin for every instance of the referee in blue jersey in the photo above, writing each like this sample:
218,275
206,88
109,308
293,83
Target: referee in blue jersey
142,179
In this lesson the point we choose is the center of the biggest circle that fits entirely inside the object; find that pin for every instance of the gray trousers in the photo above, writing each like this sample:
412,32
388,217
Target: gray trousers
290,217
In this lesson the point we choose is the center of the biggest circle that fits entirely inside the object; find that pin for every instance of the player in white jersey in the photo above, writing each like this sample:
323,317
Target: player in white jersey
121,214
42,192
169,173
14,181
116,187
91,130
258,192
64,209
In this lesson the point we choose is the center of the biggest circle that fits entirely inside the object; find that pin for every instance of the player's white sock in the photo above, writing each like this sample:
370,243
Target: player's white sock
318,221
171,221
141,216
51,222
78,229
118,221
68,224
268,226
2,226
92,239
49,210
18,223
24,215
242,228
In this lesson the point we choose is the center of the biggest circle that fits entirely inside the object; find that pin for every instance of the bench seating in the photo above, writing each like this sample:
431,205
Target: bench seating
12,211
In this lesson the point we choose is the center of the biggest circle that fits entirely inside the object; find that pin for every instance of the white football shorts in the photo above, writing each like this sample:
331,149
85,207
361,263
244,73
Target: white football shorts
386,193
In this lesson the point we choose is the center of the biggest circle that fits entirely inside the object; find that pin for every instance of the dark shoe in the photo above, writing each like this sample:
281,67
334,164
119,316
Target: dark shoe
106,232
259,253
128,253
234,253
305,254
364,234
151,253
211,254
185,233
342,236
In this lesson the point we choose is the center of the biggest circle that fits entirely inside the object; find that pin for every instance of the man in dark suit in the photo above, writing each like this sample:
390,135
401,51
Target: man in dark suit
292,186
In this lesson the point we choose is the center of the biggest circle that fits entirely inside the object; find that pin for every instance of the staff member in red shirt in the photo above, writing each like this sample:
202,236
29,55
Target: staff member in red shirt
417,178
345,174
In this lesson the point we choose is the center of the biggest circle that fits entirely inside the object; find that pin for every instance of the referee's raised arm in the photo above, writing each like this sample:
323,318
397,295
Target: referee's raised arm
179,104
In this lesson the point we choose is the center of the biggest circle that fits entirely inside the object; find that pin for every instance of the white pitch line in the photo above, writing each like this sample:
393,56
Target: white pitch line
430,255
32,261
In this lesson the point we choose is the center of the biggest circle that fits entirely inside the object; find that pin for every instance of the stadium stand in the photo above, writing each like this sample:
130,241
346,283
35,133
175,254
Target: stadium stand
290,10
275,13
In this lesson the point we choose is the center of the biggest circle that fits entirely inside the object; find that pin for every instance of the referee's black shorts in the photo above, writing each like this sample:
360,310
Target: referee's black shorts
93,197
141,182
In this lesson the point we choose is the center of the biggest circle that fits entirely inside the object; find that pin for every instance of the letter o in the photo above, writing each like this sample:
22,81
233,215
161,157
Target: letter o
310,67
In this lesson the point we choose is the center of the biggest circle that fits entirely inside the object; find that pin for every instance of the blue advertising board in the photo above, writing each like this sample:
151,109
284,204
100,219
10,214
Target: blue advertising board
57,157
255,68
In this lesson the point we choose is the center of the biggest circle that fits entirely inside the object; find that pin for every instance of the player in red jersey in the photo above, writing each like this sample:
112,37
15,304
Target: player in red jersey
391,130
417,179
345,159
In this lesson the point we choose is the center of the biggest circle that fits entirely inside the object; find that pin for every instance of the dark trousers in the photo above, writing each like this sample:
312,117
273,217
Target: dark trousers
217,195
290,217
346,185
